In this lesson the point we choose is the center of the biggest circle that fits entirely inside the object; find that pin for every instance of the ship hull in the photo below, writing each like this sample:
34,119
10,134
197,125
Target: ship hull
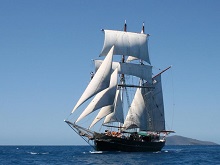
119,144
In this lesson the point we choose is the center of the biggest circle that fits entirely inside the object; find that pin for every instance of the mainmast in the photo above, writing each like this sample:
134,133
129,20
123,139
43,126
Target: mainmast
123,76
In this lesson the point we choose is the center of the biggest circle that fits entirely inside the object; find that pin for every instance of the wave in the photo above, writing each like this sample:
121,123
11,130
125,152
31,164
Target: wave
37,153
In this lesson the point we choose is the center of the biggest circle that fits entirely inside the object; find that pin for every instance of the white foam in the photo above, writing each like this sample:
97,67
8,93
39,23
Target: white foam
96,152
33,153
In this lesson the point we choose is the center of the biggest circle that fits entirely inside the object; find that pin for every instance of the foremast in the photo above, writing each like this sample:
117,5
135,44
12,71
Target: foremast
122,81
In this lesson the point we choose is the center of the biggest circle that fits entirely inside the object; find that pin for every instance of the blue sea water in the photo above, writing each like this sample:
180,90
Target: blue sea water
85,155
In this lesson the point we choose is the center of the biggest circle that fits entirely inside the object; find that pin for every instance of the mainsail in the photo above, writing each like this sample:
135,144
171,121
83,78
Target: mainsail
154,105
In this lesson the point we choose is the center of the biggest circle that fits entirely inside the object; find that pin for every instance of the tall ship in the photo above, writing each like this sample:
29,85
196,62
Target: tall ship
122,107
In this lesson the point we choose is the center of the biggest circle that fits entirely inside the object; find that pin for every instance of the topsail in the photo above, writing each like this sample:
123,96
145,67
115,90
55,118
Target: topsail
127,44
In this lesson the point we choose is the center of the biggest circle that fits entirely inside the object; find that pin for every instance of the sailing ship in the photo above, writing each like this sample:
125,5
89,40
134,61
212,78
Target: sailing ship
122,107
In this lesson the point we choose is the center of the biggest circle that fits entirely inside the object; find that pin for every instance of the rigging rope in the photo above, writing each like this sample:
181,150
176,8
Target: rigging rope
172,98
82,137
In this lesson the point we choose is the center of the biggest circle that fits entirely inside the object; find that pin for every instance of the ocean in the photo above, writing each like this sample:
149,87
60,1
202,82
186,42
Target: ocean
85,155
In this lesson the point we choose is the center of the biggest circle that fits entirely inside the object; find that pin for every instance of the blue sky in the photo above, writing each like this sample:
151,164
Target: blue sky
46,47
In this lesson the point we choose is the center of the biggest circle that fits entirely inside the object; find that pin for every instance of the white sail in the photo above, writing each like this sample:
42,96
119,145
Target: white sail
155,106
102,113
117,115
130,58
136,117
100,80
141,71
126,43
158,106
103,98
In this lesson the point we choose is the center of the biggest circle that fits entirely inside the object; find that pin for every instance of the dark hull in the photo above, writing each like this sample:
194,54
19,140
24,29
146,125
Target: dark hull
126,145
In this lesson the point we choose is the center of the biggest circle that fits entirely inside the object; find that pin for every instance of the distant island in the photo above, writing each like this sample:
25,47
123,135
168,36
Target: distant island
180,140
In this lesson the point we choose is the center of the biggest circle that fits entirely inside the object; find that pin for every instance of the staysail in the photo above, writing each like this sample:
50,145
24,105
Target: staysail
113,113
103,98
100,80
136,117
102,113
117,115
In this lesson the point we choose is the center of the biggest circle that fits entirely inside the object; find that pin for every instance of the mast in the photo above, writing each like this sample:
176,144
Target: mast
142,31
123,57
143,28
123,76
123,61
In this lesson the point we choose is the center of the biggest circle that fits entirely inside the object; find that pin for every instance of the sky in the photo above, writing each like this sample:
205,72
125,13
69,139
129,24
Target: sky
46,47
